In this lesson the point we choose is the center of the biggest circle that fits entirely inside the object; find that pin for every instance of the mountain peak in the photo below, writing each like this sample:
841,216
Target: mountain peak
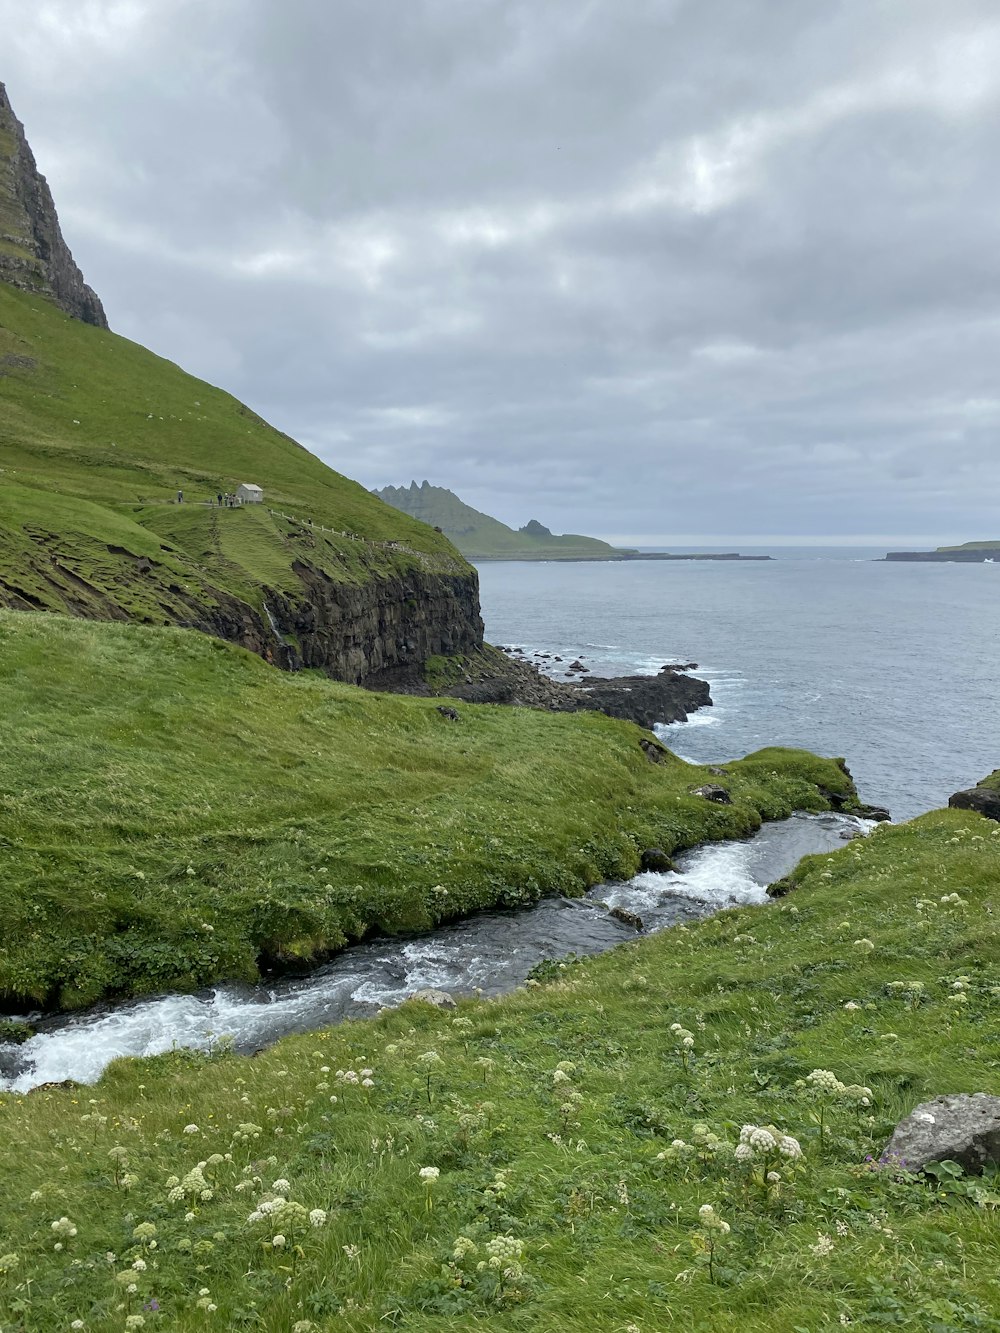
33,254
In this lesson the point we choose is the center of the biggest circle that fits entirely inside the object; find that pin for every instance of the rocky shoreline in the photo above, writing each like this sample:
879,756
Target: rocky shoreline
503,676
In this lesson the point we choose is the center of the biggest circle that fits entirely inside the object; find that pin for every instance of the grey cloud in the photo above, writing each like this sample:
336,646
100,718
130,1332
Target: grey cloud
632,267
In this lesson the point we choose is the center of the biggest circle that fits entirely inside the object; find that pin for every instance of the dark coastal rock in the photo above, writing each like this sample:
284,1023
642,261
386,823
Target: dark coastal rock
656,754
627,918
835,799
959,1128
984,800
655,859
876,812
713,792
450,713
645,700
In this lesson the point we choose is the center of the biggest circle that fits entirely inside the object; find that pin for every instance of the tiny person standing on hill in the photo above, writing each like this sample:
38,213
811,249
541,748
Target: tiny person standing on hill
219,498
180,497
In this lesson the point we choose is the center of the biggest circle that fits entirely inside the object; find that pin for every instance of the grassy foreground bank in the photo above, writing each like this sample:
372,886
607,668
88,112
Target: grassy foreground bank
173,811
514,1165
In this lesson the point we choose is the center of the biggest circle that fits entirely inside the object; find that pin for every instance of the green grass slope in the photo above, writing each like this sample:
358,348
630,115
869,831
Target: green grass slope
172,810
478,536
574,1136
97,435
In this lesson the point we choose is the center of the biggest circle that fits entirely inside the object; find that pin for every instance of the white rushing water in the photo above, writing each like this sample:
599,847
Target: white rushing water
491,953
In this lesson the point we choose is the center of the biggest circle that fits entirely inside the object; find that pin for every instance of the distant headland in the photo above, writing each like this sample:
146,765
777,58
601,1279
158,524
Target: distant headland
968,553
480,537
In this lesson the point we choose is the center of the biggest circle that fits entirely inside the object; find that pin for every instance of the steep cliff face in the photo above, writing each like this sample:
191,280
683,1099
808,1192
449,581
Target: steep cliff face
381,633
33,254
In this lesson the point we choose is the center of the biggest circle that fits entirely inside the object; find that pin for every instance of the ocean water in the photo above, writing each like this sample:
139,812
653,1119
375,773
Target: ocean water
892,666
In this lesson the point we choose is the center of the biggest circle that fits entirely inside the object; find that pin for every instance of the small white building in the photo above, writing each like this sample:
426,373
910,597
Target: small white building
248,494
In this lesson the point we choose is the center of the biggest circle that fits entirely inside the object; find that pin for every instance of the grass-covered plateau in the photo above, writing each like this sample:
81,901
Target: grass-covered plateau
173,811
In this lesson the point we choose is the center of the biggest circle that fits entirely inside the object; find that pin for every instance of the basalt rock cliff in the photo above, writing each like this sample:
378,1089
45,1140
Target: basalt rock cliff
33,254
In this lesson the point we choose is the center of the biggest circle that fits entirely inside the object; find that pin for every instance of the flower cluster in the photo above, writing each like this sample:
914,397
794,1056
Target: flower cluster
711,1229
205,1302
505,1254
193,1187
913,992
759,1141
284,1214
64,1228
683,1043
711,1221
246,1133
705,1145
355,1078
825,1083
463,1248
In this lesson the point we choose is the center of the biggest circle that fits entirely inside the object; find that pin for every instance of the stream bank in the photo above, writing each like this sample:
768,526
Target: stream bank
490,953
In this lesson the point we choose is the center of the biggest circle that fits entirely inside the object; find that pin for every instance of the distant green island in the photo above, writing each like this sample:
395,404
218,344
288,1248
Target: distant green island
480,537
968,553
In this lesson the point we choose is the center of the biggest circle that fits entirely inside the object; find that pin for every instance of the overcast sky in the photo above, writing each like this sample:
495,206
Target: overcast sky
666,270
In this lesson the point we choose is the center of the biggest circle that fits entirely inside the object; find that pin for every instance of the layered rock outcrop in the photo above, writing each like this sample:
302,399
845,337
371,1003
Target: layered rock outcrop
33,254
380,633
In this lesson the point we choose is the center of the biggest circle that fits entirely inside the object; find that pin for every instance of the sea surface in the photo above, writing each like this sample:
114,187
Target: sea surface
892,666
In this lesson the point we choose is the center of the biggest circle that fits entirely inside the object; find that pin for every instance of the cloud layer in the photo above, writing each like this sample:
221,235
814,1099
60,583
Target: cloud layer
657,269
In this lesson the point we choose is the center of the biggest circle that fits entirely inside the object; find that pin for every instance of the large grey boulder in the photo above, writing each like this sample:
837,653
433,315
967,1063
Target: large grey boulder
959,1128
440,998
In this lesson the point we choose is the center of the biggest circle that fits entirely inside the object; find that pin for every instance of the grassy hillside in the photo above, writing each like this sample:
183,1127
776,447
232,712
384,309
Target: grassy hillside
478,536
574,1135
97,435
173,810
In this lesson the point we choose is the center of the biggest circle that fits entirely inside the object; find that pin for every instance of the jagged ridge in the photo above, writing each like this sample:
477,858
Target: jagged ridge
33,254
478,536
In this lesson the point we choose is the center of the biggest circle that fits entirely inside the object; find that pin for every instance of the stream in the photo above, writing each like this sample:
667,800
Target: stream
490,954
